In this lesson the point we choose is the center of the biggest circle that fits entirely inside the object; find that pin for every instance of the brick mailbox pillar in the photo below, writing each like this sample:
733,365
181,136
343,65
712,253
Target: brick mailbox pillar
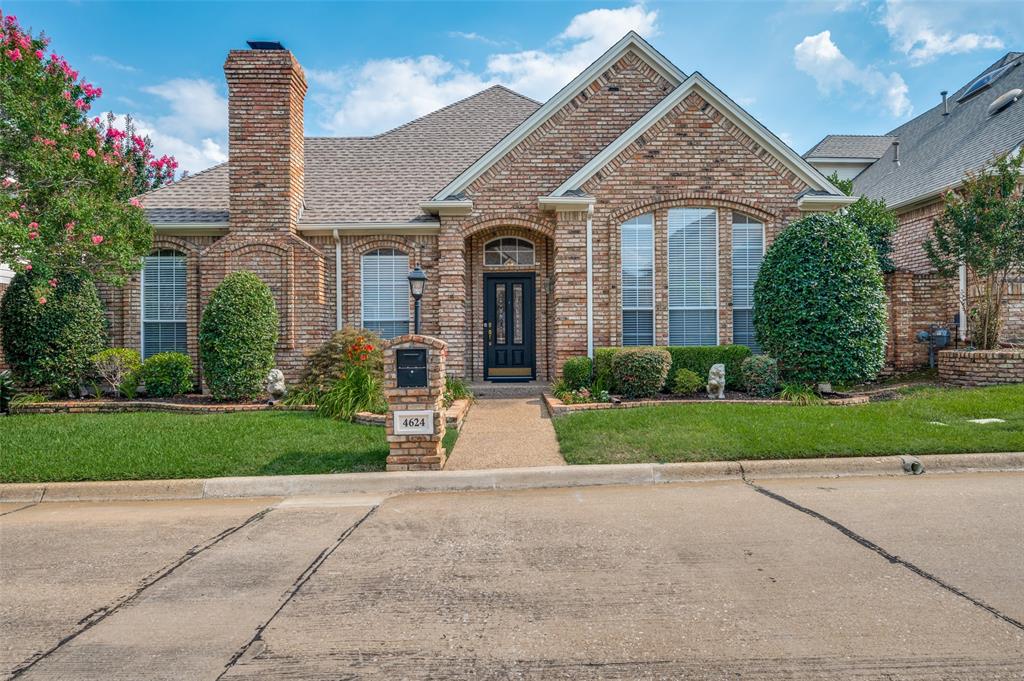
414,374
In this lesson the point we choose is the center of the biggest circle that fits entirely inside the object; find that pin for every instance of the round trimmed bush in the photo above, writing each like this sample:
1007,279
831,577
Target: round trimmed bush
166,374
50,333
819,302
641,372
686,382
576,373
237,336
760,375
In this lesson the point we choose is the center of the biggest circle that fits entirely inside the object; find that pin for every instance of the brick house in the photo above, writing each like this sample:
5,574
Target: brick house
633,207
912,168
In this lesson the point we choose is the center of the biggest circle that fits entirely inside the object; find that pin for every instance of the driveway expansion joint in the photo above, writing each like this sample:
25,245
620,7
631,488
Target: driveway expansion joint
890,557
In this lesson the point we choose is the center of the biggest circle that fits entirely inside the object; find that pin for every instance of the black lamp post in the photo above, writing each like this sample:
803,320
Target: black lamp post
417,282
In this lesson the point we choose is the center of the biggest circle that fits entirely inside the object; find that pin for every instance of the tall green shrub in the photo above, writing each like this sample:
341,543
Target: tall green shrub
819,302
237,336
576,372
697,358
166,374
48,339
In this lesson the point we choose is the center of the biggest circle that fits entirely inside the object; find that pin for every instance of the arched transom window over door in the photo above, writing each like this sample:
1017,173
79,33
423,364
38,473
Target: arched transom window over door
164,303
509,251
385,292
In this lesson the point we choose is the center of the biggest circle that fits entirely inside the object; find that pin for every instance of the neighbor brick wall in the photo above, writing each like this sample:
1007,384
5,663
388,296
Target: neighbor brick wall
981,367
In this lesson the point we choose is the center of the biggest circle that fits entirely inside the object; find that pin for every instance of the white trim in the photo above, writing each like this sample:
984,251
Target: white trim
696,82
819,203
590,280
448,206
962,302
839,160
566,204
630,41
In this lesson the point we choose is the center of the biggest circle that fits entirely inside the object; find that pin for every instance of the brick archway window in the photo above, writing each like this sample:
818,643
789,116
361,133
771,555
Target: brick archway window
385,292
164,303
509,251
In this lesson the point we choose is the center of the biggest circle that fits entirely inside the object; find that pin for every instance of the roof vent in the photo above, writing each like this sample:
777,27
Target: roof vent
264,45
945,103
1004,100
896,152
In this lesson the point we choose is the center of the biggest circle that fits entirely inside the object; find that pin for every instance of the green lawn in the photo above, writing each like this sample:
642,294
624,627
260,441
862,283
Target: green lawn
51,447
710,432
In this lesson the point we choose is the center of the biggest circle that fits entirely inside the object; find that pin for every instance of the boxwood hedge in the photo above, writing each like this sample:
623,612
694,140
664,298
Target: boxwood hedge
697,358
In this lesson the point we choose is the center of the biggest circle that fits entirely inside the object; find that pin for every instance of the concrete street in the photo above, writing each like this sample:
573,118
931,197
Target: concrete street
852,578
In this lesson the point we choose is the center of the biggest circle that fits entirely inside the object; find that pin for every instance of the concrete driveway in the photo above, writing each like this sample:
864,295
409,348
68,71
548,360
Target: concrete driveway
862,578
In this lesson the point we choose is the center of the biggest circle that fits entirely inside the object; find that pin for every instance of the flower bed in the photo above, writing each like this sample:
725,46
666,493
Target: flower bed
981,367
557,407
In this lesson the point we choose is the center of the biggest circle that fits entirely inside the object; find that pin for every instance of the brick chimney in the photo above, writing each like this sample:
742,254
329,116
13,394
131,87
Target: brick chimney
266,89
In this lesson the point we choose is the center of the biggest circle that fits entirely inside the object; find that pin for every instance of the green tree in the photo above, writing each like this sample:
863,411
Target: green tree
819,302
66,207
845,186
981,229
879,224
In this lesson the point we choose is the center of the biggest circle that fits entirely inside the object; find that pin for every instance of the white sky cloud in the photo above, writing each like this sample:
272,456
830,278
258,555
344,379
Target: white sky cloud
924,32
192,156
819,57
113,63
383,93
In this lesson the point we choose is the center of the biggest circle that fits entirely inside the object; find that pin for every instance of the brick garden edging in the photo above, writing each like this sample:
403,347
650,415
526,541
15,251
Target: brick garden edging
981,367
557,407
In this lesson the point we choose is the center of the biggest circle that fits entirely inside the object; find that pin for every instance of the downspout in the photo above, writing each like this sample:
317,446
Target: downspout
963,302
338,317
590,280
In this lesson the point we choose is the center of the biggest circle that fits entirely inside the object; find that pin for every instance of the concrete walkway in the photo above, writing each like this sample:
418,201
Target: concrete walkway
506,433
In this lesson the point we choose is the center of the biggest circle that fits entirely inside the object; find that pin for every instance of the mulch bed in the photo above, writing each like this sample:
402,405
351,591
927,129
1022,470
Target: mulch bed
556,407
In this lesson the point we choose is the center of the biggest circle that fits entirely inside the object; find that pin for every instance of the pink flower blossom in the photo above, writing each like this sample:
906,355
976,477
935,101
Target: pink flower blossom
33,236
97,239
42,300
75,155
33,225
28,267
81,105
66,95
91,153
11,19
64,128
70,226
14,215
136,203
39,54
14,54
53,283
8,182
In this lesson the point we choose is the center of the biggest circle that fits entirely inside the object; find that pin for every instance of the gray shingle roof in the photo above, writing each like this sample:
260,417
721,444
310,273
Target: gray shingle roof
850,146
936,151
367,179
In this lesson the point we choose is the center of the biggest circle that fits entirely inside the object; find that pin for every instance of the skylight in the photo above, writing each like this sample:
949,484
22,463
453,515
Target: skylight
985,80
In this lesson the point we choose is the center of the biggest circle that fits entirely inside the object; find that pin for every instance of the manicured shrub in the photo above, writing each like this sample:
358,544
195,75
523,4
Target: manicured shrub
49,331
819,302
118,367
641,372
700,358
604,378
237,336
760,375
576,373
687,383
166,374
345,349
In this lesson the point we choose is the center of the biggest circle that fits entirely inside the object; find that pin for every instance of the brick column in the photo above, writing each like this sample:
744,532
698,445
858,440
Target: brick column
452,300
420,452
570,295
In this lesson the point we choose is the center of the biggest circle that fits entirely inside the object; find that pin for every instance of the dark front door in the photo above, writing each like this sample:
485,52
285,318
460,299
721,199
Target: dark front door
509,319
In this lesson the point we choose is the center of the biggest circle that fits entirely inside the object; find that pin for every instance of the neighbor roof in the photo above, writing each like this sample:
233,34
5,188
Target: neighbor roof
936,151
366,179
850,146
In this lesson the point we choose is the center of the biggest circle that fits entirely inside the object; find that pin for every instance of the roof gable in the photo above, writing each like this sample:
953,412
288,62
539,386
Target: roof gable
854,147
744,121
630,42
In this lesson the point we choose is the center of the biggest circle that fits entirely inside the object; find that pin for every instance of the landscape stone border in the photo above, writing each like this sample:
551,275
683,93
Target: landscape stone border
974,368
557,407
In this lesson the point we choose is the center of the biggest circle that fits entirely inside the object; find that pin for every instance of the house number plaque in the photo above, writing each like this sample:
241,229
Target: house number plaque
414,422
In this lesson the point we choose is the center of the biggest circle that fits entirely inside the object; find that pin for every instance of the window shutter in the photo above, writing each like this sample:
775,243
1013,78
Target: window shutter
385,292
164,303
637,280
693,276
747,253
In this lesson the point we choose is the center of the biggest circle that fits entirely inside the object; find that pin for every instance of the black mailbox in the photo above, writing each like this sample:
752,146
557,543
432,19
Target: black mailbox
412,368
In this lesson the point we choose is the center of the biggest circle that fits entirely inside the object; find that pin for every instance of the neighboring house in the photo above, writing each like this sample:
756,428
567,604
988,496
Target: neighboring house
912,168
632,208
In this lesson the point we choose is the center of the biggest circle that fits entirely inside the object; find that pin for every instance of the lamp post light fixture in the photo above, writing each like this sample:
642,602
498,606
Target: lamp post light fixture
417,282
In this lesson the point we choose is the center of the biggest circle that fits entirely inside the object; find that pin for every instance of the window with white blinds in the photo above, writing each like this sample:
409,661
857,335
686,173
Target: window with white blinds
693,276
747,253
637,280
385,292
163,303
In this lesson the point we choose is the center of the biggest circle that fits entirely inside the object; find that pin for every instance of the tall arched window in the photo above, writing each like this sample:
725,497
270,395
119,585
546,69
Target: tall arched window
747,253
164,303
636,255
385,292
508,251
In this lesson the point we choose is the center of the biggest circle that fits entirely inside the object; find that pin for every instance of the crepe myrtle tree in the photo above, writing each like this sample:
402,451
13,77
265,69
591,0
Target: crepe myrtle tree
981,229
66,180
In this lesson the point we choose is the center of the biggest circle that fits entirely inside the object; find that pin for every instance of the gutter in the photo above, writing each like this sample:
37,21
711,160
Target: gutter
338,316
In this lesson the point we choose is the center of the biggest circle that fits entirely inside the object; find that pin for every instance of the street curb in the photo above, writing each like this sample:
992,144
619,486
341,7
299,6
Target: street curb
500,478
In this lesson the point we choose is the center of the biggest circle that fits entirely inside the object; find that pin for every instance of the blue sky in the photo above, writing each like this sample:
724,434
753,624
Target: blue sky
805,69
